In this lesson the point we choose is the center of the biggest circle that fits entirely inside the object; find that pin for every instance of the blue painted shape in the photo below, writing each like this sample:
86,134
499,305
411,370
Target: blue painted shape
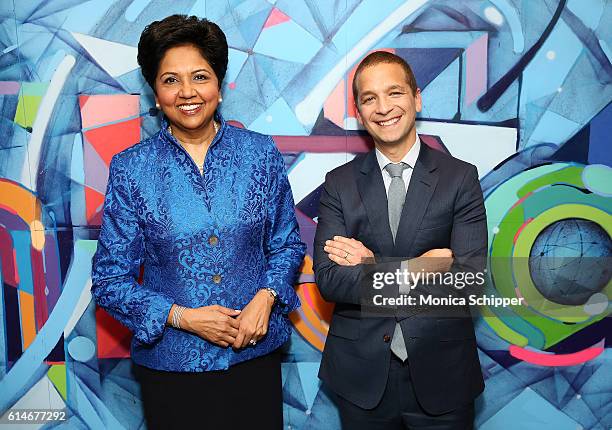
576,149
135,9
82,17
278,119
81,349
287,41
234,66
552,128
512,19
440,96
19,379
21,242
589,11
251,26
280,72
599,142
198,9
306,14
310,382
544,76
529,411
77,171
427,64
443,17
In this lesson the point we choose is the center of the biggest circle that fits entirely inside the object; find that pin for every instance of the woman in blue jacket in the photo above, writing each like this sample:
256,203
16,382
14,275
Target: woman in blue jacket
207,208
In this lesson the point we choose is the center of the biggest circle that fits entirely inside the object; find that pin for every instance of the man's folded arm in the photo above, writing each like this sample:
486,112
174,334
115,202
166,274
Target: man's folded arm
336,283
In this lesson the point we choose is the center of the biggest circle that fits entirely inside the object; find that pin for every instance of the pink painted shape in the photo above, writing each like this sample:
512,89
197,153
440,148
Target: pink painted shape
547,359
9,87
433,142
276,17
232,85
96,170
98,110
324,144
334,108
476,69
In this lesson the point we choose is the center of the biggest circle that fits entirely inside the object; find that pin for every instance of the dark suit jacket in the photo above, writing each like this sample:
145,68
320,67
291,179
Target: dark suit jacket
444,209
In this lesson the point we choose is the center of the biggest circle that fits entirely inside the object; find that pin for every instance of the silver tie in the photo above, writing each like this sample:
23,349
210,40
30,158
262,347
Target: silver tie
395,201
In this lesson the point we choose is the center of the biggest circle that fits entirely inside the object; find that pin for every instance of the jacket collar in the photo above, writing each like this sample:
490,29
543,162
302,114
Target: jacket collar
170,138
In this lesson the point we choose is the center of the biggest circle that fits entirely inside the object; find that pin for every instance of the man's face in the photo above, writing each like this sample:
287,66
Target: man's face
386,105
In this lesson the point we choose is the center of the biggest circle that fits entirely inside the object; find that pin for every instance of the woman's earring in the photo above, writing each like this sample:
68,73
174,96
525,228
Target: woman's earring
220,99
157,106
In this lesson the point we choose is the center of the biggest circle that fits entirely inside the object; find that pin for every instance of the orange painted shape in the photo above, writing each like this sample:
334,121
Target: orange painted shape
19,200
28,323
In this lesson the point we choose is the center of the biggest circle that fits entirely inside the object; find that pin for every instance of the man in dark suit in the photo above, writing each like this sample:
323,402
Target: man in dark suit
402,205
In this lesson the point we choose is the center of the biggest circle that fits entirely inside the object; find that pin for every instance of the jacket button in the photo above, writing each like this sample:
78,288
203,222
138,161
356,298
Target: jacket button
386,338
213,240
216,279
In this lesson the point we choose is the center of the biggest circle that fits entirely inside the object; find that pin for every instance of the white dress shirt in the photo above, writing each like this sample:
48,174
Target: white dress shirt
410,159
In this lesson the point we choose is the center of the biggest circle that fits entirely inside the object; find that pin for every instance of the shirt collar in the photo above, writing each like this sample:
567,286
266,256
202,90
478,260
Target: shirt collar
410,158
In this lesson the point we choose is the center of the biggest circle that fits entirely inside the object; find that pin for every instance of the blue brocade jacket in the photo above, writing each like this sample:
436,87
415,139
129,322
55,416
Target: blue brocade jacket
215,238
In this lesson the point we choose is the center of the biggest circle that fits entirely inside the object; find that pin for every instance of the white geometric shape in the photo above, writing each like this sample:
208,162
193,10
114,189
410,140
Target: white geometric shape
42,395
473,143
115,58
309,172
494,16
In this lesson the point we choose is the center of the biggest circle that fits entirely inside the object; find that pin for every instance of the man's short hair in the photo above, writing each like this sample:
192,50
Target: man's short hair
378,57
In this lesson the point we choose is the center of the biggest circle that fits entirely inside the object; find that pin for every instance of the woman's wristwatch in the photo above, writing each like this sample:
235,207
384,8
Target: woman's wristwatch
273,293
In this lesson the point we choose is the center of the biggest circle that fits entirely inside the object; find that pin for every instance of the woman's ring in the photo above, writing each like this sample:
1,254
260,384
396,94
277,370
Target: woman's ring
252,342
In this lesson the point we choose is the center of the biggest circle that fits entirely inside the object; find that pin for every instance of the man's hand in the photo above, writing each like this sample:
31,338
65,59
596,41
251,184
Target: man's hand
432,261
254,319
346,251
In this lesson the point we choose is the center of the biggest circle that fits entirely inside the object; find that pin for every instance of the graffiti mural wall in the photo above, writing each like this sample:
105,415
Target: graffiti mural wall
521,89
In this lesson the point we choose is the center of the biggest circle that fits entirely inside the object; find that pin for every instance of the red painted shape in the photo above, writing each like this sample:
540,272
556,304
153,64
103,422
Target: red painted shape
114,138
521,229
9,259
276,17
93,206
113,337
553,360
521,200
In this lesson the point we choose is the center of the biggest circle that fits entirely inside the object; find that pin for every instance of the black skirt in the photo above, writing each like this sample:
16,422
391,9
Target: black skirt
247,395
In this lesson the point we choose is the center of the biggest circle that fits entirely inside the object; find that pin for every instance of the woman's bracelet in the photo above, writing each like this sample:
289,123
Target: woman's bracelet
177,315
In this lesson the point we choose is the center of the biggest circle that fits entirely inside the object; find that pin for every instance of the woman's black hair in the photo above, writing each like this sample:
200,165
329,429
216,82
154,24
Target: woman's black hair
180,30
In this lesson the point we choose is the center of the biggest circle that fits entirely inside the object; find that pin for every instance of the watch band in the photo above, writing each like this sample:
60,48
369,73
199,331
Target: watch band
273,293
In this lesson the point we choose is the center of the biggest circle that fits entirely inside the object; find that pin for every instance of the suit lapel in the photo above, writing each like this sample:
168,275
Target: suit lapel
420,190
372,191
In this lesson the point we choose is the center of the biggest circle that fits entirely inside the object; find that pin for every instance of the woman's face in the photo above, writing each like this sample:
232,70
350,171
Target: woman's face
187,90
